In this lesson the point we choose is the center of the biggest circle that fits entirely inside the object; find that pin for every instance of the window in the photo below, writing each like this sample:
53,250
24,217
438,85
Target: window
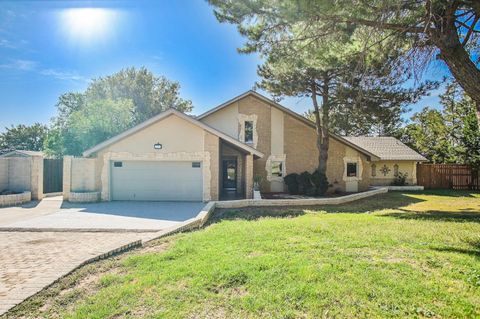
117,164
395,170
374,170
351,169
195,164
277,169
248,131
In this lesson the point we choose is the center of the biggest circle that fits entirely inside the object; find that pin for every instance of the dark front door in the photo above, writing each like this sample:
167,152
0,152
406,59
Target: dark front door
230,174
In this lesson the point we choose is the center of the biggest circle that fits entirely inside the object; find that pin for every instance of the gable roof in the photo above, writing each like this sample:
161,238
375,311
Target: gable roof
282,108
162,116
22,153
386,148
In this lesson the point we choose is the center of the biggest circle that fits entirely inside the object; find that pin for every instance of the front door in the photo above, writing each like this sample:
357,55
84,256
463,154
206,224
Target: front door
230,174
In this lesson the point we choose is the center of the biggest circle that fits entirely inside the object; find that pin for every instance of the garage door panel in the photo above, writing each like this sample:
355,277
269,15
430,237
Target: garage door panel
141,180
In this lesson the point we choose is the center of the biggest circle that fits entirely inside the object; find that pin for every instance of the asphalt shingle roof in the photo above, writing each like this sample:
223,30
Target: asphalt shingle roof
386,148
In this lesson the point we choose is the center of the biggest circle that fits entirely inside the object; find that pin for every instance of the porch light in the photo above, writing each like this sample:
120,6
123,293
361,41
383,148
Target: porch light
157,146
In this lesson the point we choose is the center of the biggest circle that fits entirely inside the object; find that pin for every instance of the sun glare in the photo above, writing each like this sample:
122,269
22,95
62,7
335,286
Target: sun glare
88,24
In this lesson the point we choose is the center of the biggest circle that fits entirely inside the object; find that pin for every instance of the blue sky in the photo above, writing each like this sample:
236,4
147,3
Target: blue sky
44,54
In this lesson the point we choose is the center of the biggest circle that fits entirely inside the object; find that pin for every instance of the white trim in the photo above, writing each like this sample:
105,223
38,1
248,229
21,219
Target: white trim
179,156
242,118
162,116
357,160
268,167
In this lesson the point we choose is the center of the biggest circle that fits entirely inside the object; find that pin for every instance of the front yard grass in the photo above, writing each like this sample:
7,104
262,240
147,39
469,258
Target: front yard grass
393,255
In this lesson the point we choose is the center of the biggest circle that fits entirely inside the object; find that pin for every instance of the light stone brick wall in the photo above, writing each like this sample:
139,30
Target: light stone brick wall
19,173
83,175
302,155
36,178
15,199
212,146
380,179
22,174
253,106
84,197
67,176
3,173
249,169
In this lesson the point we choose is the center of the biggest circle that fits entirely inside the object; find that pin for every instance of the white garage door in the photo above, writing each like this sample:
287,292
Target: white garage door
156,181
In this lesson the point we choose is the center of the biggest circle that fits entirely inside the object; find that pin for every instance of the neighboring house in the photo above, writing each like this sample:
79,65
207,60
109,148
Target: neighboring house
22,153
173,156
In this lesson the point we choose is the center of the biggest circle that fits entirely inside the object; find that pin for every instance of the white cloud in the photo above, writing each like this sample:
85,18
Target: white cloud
62,75
32,66
22,65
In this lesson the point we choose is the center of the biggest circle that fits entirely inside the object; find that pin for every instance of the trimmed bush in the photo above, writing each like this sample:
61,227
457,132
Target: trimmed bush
321,182
291,180
400,179
306,186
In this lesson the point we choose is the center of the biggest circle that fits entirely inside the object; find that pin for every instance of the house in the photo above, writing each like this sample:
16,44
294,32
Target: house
174,156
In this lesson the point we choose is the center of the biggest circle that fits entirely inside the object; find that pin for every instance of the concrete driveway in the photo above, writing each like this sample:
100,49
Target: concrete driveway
104,216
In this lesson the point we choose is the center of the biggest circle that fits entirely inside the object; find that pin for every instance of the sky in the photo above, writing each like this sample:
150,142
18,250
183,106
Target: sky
49,48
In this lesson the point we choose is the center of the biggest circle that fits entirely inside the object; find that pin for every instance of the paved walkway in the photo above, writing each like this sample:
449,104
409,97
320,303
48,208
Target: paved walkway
33,257
51,214
30,261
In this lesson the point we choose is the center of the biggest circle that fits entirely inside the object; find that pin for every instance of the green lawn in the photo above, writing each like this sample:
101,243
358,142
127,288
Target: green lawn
393,255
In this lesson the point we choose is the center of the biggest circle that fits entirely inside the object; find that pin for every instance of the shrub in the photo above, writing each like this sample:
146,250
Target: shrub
400,179
291,180
320,181
305,184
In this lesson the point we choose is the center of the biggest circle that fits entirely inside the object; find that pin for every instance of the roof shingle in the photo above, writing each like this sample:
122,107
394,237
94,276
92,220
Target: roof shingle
386,148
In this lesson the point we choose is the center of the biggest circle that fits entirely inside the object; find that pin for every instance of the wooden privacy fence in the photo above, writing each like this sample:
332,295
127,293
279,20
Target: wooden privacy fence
449,176
52,175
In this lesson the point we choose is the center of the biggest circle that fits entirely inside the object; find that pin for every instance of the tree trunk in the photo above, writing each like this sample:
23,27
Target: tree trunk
322,124
459,62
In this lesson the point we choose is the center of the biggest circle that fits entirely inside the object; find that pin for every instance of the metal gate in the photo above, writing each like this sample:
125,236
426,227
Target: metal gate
52,175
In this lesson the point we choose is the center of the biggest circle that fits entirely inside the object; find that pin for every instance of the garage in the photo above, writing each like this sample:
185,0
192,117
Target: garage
156,180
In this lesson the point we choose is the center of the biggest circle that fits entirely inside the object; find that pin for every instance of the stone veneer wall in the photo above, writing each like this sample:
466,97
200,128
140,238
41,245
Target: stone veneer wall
15,199
254,106
409,167
3,173
212,146
22,174
82,175
302,154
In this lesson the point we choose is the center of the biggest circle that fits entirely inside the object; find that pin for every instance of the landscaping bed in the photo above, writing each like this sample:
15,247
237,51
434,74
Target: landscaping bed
397,255
10,198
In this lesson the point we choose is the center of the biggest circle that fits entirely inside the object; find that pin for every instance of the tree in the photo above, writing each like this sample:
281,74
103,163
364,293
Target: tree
423,30
429,135
296,65
451,135
141,92
150,94
95,122
23,137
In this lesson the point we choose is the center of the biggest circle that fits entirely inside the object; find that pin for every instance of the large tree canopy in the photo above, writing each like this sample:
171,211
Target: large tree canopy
23,137
424,30
109,106
449,135
332,70
150,94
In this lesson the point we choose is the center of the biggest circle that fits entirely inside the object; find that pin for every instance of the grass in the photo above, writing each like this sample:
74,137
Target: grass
393,255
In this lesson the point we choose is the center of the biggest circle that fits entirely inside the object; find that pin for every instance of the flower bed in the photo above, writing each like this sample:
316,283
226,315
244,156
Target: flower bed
84,197
15,199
